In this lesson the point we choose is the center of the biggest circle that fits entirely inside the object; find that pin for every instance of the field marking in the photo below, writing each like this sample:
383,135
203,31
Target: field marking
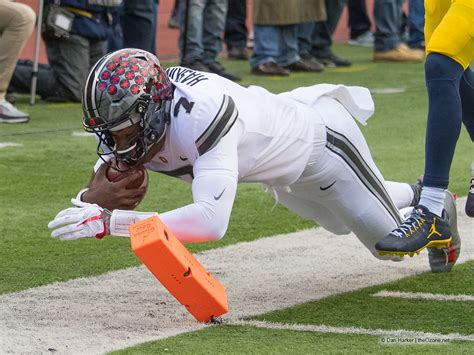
128,307
82,134
401,333
385,91
424,296
9,144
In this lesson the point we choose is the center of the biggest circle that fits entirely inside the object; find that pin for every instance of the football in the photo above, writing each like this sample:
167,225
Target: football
115,175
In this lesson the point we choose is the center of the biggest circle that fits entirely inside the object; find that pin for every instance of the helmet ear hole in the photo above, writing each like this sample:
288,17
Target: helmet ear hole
141,108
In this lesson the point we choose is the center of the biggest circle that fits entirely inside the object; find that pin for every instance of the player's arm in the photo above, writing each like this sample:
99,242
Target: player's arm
112,195
214,188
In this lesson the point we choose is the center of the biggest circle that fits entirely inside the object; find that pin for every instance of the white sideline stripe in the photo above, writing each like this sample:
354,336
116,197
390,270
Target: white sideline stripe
350,330
9,144
82,134
127,307
424,296
383,91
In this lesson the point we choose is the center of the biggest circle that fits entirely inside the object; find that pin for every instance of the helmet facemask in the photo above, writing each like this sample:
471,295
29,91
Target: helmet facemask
151,122
125,88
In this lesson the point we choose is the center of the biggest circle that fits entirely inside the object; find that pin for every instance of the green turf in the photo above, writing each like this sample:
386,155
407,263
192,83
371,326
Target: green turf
39,178
360,309
49,169
353,309
250,340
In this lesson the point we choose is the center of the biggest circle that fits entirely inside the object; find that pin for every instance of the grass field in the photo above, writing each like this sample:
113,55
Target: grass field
51,163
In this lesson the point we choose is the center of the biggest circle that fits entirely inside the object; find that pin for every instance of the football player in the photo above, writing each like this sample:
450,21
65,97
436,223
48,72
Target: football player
304,145
449,31
470,195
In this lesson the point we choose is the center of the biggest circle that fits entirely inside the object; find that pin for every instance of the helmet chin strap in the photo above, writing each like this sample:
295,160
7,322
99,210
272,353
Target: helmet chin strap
120,152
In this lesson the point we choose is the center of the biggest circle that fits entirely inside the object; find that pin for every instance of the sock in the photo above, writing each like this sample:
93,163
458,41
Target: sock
433,199
443,76
472,170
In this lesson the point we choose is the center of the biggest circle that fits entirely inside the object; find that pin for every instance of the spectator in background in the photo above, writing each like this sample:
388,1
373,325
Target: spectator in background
200,40
135,26
174,18
416,24
315,38
16,24
73,45
388,45
276,50
359,24
235,35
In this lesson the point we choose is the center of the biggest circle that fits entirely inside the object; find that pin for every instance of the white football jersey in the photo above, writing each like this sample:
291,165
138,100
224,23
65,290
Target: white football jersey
221,133
273,136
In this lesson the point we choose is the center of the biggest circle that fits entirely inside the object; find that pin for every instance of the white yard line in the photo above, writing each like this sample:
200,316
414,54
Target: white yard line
127,307
424,296
401,333
82,134
9,144
383,91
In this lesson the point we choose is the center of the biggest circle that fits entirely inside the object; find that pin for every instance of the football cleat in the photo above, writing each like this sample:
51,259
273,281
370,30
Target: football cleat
470,200
443,259
421,230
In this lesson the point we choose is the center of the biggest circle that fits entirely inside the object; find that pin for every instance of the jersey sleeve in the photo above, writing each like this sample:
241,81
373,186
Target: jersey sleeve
202,120
214,188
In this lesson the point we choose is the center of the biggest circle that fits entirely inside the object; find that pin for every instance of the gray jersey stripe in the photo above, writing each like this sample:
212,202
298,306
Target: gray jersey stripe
214,139
210,128
185,170
219,127
341,146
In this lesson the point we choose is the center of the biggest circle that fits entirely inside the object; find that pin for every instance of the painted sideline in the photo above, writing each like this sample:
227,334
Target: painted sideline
9,144
424,296
401,333
128,307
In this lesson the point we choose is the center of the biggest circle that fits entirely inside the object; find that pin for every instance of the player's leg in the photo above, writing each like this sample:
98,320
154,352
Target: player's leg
346,181
450,48
401,195
312,210
466,91
470,195
443,78
345,192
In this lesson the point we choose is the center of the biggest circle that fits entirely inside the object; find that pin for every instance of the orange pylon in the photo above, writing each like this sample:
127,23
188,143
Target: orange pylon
178,270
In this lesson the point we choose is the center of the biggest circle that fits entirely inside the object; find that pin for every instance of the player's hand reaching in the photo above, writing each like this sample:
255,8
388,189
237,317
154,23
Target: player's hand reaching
123,193
83,221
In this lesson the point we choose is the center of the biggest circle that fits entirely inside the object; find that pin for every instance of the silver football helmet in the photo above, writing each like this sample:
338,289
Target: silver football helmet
124,88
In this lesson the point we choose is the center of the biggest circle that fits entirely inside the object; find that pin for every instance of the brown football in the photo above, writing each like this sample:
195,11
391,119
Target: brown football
115,175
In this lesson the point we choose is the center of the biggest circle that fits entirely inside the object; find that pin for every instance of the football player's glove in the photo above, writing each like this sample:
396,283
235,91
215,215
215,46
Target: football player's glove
85,220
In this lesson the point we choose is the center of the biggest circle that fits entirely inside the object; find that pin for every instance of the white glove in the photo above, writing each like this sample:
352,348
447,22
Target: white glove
83,221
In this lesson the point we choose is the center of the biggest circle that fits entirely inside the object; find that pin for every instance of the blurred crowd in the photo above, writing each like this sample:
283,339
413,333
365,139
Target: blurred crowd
286,36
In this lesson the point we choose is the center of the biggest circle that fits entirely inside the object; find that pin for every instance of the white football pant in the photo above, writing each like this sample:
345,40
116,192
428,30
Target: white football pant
342,190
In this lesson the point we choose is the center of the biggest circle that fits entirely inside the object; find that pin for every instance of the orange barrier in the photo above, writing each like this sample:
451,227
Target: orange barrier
178,270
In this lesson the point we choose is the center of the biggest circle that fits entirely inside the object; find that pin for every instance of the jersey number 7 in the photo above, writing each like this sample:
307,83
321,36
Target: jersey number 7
187,105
